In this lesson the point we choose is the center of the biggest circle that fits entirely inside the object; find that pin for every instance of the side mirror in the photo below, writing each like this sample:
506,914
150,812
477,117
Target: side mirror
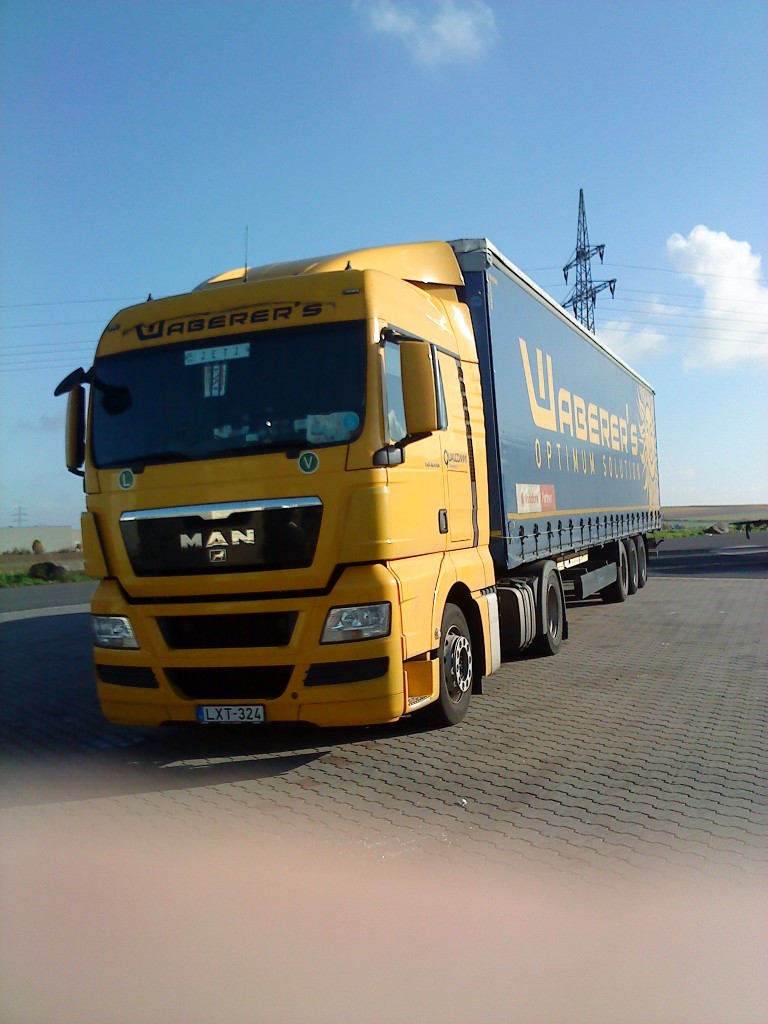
422,415
78,376
74,438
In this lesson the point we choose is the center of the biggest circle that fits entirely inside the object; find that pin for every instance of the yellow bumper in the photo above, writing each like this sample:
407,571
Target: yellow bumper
290,674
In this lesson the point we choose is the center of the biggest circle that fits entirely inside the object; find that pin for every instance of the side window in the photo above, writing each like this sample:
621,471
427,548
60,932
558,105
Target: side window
442,410
394,392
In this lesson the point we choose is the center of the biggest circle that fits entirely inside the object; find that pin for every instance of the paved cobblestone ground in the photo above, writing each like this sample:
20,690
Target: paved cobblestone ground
642,745
633,763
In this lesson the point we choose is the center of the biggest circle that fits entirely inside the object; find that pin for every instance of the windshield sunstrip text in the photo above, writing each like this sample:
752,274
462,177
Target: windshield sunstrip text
242,318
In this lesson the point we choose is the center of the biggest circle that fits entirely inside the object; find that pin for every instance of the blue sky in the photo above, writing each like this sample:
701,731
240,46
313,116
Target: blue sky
140,139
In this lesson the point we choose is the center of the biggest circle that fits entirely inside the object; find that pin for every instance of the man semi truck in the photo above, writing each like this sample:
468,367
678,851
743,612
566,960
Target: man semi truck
340,490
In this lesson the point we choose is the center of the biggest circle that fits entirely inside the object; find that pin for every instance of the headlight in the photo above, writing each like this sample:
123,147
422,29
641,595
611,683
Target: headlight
113,631
358,622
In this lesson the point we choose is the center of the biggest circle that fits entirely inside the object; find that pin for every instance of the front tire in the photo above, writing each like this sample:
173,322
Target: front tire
456,671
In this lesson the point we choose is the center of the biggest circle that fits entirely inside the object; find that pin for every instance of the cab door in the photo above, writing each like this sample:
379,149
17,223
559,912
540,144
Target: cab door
457,456
416,487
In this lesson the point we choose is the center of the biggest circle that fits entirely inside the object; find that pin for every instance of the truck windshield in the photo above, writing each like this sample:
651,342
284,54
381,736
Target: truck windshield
236,395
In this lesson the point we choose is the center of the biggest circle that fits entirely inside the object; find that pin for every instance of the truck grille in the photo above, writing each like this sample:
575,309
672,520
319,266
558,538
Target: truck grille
279,533
263,682
197,632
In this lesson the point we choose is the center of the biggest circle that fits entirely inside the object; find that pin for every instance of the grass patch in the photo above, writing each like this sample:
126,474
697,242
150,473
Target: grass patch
17,579
665,534
21,579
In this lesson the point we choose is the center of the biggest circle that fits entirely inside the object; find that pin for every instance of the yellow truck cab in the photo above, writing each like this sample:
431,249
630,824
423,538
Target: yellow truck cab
275,521
298,499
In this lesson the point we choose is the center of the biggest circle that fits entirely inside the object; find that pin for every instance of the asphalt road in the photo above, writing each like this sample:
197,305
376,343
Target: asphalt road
633,762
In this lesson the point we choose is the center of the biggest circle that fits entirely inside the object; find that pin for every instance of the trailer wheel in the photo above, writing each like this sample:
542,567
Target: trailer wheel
632,566
551,613
456,671
642,561
617,592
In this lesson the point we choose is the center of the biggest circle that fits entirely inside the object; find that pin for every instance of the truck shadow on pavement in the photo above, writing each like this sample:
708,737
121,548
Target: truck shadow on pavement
123,762
56,746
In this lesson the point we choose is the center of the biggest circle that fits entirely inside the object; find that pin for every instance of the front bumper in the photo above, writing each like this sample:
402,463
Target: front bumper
252,651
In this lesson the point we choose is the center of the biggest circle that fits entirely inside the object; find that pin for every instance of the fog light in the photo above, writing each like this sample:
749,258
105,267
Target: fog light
113,631
357,622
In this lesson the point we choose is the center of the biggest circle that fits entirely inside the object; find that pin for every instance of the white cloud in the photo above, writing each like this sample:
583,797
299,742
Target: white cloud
45,423
637,338
629,342
450,30
734,324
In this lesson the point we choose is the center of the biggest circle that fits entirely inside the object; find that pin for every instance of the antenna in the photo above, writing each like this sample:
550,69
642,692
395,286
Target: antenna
245,264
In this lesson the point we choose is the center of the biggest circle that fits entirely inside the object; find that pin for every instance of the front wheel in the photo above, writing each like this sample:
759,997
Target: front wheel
456,671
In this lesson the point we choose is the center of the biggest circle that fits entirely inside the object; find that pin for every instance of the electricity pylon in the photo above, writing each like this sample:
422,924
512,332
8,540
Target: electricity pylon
582,296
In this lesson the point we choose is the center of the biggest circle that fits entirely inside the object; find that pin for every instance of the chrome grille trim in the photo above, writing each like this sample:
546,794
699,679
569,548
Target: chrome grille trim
219,511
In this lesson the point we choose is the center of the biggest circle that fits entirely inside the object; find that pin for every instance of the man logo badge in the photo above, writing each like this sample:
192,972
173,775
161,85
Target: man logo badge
217,554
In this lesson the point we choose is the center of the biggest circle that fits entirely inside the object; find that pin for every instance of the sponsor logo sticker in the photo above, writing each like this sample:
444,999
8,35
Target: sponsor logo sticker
535,498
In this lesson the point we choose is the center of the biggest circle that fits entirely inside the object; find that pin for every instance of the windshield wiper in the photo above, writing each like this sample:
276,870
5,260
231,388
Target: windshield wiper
257,447
138,462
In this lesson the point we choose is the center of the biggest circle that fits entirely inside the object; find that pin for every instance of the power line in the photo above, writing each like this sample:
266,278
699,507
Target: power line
762,281
550,286
666,270
688,295
58,323
697,323
700,321
66,302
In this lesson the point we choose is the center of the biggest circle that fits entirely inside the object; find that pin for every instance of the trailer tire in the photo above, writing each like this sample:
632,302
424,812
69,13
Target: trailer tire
617,592
456,671
551,614
642,561
632,566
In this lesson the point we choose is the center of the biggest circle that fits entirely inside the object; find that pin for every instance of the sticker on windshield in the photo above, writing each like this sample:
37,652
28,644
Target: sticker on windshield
219,354
215,380
335,426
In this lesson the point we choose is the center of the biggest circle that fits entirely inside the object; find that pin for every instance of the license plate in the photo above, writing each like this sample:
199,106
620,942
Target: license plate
230,714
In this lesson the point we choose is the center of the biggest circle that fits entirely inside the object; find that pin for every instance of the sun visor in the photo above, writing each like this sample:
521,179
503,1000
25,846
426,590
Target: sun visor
419,262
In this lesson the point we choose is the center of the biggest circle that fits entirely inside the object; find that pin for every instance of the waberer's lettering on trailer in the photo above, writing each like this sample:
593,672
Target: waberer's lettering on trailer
574,418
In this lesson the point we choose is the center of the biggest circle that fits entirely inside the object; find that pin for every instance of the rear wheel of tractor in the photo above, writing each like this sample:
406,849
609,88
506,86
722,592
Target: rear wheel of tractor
456,671
632,567
642,561
616,592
